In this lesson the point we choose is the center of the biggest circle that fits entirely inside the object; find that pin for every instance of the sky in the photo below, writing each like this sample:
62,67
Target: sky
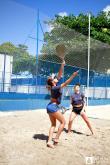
51,7
18,17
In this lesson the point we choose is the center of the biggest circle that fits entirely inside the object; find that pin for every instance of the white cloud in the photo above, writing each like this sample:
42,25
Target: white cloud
49,28
62,14
107,8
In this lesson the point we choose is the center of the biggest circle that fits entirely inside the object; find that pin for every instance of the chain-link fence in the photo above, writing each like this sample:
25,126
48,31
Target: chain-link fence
27,61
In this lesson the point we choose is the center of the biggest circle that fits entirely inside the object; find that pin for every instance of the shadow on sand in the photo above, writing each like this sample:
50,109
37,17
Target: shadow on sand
40,137
77,132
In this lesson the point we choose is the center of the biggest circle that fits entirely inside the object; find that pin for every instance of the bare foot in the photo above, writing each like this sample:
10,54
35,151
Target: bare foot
50,145
92,132
69,132
56,141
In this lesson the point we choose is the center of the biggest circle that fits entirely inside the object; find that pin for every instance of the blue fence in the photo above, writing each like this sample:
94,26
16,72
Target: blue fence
96,79
26,93
21,101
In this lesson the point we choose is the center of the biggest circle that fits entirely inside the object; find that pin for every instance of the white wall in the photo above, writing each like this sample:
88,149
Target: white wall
5,76
94,92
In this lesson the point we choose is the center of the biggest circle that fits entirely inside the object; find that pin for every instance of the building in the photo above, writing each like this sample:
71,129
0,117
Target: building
6,62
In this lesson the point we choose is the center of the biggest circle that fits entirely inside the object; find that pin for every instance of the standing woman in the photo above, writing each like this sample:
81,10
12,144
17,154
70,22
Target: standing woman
78,108
53,108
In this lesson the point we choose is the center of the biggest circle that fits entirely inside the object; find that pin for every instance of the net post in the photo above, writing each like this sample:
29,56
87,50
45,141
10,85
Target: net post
88,70
37,49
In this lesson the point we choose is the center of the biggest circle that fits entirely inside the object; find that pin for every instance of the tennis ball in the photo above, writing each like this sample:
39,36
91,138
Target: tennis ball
104,30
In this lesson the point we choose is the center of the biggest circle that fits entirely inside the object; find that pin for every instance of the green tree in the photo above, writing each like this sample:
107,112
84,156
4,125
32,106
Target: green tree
8,48
73,32
22,60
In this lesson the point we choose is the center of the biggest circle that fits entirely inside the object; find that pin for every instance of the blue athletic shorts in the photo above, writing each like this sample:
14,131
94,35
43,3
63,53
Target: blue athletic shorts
52,107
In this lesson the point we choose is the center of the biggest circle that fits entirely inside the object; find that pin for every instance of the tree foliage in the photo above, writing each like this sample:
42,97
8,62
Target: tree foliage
73,32
22,60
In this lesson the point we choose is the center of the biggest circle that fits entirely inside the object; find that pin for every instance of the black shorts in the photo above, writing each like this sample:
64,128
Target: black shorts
77,110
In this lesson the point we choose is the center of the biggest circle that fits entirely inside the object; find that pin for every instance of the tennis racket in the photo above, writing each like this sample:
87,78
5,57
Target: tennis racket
61,51
63,109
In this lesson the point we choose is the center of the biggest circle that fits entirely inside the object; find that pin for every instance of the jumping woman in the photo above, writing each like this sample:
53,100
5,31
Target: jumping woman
78,108
53,108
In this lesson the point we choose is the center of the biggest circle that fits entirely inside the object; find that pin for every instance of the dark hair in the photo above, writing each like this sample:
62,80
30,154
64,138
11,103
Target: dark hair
49,81
77,84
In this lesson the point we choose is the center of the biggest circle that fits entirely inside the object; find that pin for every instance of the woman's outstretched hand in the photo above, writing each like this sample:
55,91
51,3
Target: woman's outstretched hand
76,73
63,62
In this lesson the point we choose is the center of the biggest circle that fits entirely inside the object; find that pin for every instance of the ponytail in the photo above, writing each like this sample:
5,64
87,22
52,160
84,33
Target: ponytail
49,83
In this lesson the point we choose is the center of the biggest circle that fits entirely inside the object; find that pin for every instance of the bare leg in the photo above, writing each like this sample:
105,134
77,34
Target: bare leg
71,118
85,118
58,115
51,131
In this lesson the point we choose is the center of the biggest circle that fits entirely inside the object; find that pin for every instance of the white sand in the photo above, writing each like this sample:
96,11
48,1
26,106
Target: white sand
18,147
100,112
